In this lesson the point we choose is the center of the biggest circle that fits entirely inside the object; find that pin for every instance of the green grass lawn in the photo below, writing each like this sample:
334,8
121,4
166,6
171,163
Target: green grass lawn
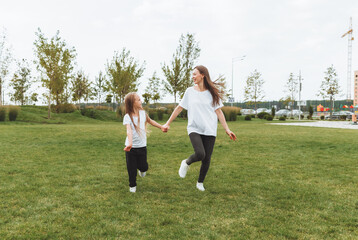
69,181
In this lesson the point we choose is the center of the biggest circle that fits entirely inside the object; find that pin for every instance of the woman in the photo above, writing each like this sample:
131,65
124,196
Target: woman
203,103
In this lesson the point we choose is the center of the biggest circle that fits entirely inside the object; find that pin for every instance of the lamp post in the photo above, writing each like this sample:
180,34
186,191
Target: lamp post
232,75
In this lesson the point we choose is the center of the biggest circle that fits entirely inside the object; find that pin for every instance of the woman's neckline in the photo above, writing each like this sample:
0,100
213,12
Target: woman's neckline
198,90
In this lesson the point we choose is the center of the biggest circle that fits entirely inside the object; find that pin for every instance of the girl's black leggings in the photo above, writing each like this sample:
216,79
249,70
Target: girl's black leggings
203,148
136,159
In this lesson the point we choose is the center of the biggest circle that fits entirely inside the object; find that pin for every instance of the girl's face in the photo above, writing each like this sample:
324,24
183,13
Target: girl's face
137,102
197,76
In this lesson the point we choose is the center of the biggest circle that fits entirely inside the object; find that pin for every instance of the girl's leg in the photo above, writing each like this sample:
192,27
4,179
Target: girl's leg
199,150
142,163
208,142
131,159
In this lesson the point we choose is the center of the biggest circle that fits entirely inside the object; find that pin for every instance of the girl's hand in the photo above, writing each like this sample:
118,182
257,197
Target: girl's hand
231,135
127,148
165,128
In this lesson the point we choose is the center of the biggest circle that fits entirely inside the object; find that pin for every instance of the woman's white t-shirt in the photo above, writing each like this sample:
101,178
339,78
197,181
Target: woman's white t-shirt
139,140
202,118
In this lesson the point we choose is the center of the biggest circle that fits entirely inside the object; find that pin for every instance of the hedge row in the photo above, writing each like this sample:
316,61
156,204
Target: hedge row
13,111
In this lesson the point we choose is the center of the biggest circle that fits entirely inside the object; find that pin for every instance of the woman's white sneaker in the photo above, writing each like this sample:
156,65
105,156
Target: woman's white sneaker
142,174
133,189
200,186
183,168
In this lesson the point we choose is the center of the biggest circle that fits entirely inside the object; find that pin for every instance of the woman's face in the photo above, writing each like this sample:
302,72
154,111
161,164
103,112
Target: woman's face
197,76
137,102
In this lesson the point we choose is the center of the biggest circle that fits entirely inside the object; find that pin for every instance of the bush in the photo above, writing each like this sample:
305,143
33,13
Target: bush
230,113
302,116
269,117
322,117
273,111
252,116
91,113
120,112
13,112
104,108
89,107
160,113
248,118
309,117
63,108
152,113
343,117
2,114
183,114
310,111
262,115
282,118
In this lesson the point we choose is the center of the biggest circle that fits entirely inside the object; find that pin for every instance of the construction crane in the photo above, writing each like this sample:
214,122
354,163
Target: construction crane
349,62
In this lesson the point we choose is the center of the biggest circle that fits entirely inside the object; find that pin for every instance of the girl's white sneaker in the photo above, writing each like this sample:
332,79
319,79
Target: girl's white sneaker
183,168
133,189
142,174
200,186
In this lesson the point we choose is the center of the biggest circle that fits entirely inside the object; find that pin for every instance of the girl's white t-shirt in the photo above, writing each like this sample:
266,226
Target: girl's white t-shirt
139,140
202,118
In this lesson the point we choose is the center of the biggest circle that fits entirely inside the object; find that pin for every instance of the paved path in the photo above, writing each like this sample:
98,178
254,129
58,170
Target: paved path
327,124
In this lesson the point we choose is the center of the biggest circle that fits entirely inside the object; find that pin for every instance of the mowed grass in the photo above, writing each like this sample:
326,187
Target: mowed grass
69,181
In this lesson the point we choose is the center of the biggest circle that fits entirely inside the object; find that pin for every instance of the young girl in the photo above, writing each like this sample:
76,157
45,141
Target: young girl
203,102
136,120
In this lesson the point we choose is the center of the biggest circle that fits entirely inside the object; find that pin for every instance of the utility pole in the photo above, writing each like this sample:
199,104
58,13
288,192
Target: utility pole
349,61
232,75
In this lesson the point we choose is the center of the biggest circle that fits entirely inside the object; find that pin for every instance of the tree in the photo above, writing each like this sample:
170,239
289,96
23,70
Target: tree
291,89
177,74
34,97
21,82
98,86
5,61
152,92
55,62
329,86
81,87
123,73
253,89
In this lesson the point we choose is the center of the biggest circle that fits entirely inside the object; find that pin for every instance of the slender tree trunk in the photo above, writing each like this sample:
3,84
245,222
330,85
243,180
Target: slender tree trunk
49,105
330,109
1,94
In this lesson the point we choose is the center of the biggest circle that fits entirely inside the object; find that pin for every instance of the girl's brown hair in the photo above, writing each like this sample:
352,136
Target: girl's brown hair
213,87
129,104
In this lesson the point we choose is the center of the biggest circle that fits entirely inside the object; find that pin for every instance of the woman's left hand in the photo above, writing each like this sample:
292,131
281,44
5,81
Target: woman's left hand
231,135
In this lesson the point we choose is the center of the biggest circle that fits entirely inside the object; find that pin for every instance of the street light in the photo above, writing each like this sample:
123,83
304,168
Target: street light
235,59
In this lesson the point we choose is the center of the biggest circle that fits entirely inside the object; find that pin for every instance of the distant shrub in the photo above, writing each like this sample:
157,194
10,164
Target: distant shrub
89,107
184,114
285,116
2,113
310,112
273,111
343,117
248,118
120,112
13,112
91,113
104,108
262,115
302,116
152,113
269,117
160,114
282,118
63,108
252,116
230,113
322,117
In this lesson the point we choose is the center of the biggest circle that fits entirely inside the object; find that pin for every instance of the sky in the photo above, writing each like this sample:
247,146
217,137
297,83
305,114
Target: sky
276,36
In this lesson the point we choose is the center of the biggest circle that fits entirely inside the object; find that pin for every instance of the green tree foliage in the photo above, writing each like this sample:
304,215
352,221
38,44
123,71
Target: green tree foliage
55,62
81,87
123,73
177,73
253,90
291,88
34,97
329,86
21,82
5,61
152,92
98,86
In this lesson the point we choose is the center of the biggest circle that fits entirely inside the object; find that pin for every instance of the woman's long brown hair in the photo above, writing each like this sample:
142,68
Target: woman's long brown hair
129,103
213,87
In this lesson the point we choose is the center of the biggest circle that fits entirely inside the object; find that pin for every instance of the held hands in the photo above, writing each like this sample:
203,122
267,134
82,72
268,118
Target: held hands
231,135
165,128
127,148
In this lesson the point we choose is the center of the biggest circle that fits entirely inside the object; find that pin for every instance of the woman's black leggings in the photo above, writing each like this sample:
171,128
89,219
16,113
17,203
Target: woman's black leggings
203,148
